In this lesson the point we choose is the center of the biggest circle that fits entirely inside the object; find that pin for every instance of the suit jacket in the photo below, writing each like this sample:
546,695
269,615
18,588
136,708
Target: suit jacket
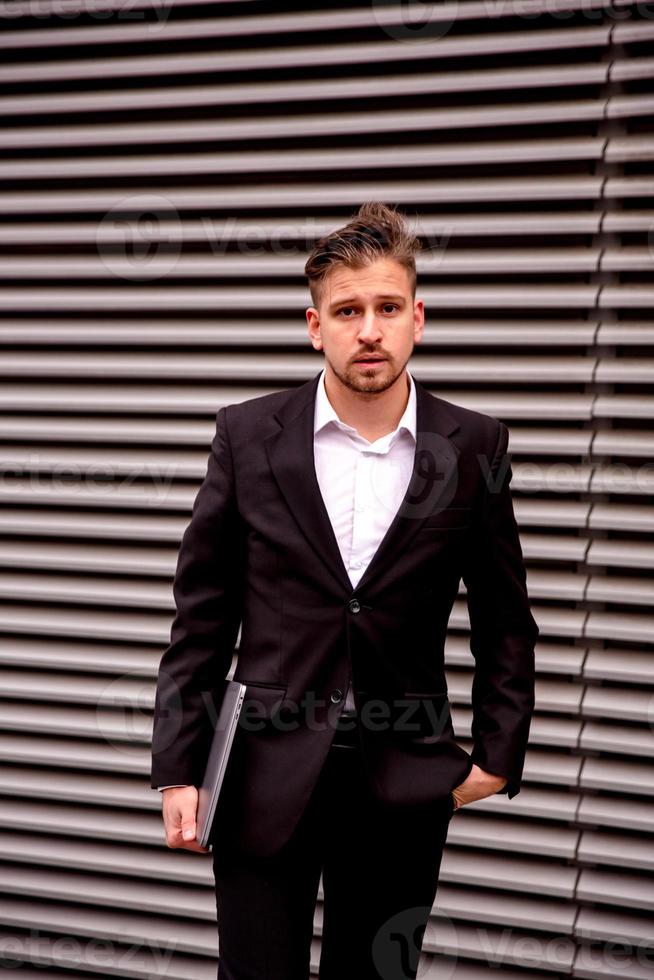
260,553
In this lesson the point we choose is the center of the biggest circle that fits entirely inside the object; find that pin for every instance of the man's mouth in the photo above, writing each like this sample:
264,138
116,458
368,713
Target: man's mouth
369,360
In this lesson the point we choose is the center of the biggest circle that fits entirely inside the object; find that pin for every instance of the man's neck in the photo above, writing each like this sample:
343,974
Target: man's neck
372,414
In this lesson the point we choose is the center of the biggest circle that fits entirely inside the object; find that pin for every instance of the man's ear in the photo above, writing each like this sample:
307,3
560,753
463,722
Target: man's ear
418,320
313,324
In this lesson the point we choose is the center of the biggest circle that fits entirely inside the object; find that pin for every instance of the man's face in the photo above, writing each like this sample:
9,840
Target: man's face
367,312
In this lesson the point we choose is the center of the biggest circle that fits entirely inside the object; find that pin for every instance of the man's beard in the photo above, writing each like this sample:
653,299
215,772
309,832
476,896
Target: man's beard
368,384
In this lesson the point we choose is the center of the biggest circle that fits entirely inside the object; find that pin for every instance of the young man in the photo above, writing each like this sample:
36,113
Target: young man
335,523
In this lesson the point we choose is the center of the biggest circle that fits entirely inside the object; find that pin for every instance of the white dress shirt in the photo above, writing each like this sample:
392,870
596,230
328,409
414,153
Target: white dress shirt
362,483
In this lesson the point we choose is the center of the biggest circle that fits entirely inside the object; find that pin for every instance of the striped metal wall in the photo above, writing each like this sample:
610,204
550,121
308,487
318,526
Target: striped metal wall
164,170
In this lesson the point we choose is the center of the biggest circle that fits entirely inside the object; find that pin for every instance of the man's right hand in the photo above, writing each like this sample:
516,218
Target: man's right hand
179,810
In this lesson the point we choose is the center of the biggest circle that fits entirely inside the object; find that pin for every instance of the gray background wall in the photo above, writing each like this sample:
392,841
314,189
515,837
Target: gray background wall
164,171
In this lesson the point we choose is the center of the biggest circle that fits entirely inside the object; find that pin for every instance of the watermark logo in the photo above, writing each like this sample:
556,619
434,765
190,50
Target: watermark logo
140,238
417,22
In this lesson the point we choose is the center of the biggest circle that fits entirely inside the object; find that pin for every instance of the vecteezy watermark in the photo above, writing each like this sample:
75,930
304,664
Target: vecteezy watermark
432,255
431,484
140,238
104,955
104,10
413,21
397,946
123,712
612,955
420,716
146,484
422,22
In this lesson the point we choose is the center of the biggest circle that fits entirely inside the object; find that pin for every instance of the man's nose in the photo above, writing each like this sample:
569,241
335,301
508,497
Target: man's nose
370,331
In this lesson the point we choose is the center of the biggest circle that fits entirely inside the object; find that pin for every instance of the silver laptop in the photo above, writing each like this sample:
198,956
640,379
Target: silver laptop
221,744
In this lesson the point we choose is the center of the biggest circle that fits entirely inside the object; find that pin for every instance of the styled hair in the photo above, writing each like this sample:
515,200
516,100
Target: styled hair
376,231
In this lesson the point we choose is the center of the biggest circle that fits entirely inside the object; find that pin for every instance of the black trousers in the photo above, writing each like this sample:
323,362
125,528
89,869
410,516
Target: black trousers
380,868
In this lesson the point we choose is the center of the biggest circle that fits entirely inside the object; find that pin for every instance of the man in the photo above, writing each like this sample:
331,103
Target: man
334,525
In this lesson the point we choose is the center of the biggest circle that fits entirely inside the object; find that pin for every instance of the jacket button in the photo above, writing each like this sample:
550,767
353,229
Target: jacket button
355,605
336,696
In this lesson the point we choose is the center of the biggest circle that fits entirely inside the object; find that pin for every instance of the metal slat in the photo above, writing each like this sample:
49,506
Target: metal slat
95,823
164,333
70,7
275,92
628,627
298,57
622,554
388,122
84,589
614,664
86,624
51,522
631,778
503,832
209,231
618,739
624,704
74,754
98,886
638,332
632,295
458,949
305,194
626,69
619,589
597,923
92,658
79,788
109,430
145,930
286,23
621,479
635,259
64,689
518,912
177,400
308,160
612,811
623,890
205,299
552,513
230,367
502,872
631,148
191,266
624,406
625,442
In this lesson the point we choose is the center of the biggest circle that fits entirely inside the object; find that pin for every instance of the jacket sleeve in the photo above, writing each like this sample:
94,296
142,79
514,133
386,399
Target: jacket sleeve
503,631
207,589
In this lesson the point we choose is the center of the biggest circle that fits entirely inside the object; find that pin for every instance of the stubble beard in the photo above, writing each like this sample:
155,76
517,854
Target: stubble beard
368,382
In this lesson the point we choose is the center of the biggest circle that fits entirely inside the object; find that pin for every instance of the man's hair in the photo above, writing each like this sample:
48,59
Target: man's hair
375,232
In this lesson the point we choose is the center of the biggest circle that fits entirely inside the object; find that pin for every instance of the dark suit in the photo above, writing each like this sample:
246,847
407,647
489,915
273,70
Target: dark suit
260,549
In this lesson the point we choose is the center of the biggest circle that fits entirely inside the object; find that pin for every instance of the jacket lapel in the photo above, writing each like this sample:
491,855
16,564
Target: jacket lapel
431,486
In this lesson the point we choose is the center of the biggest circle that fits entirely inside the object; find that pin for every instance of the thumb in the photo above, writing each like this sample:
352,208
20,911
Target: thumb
188,829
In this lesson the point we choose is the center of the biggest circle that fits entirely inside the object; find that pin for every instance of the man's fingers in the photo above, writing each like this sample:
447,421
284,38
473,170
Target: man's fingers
179,813
177,839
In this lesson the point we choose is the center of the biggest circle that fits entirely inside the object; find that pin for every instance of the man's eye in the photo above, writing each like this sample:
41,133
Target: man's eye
352,309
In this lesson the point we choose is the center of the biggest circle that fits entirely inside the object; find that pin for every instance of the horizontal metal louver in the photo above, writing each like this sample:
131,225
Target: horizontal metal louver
162,179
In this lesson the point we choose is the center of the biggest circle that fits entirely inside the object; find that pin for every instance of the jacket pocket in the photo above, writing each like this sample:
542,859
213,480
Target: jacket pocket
422,717
261,705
